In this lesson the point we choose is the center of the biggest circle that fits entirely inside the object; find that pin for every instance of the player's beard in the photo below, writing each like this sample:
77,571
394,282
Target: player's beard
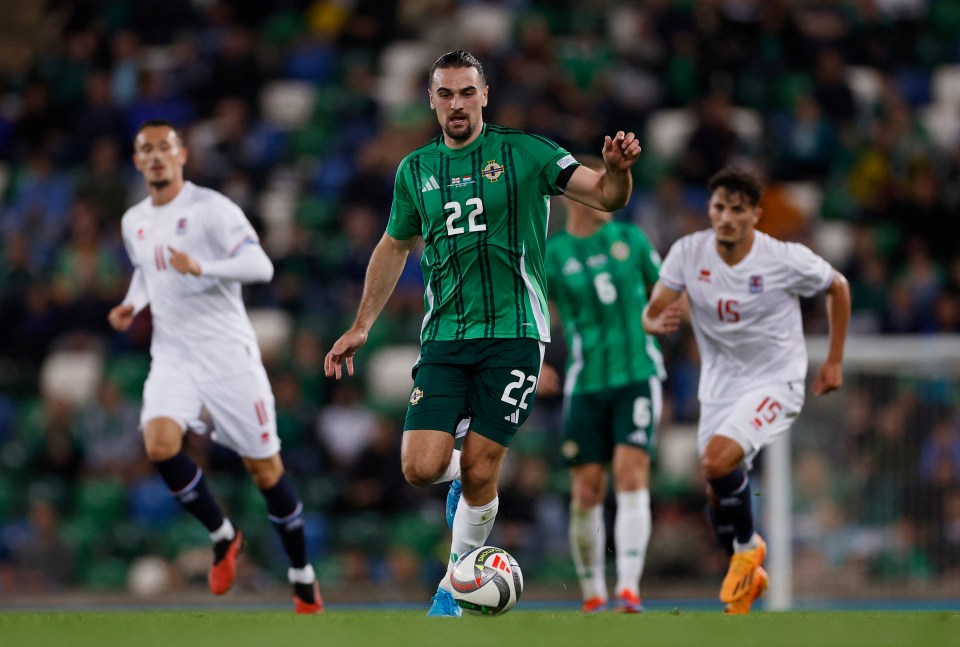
468,129
159,185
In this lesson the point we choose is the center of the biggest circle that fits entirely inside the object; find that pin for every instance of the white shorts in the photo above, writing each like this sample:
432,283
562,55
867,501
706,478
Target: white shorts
241,406
754,419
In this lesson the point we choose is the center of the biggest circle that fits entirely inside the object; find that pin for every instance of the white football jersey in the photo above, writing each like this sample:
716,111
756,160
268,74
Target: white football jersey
197,320
746,318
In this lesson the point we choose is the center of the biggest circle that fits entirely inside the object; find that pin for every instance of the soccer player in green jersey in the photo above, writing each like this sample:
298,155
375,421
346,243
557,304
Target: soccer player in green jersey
599,273
478,197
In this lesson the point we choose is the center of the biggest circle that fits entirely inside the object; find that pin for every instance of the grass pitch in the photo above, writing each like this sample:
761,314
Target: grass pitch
523,628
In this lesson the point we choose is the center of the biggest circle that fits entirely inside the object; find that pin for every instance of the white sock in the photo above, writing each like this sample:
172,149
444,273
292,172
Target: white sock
632,534
453,468
750,545
303,575
471,527
226,531
588,541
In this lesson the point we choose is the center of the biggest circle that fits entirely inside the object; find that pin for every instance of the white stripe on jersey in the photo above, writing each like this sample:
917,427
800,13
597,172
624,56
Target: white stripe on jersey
543,329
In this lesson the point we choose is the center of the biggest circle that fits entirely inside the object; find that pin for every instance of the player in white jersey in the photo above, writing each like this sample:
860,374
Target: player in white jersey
743,288
191,249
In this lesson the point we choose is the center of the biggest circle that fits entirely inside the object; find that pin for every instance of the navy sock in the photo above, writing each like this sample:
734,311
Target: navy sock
285,512
186,483
722,527
733,502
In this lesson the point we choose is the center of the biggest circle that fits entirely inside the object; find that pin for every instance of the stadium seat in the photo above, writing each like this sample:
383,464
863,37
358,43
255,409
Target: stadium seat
401,63
151,505
129,371
834,241
667,131
101,500
278,204
749,125
807,197
946,85
73,376
866,84
388,374
942,122
485,25
273,328
287,105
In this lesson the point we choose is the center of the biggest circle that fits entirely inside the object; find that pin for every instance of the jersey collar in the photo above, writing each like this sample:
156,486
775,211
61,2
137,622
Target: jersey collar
469,148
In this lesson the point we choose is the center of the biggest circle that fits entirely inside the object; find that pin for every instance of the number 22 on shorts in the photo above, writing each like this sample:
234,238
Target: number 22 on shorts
521,378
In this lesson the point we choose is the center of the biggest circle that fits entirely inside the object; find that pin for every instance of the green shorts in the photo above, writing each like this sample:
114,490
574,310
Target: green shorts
491,381
594,423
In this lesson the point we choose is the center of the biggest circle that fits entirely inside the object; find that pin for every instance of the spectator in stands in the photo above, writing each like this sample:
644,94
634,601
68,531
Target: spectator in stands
42,559
713,142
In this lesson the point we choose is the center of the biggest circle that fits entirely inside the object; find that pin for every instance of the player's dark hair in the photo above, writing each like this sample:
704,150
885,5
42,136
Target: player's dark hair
457,59
154,123
736,180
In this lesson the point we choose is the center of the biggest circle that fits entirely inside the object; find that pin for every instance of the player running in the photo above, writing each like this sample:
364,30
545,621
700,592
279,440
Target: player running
478,197
743,287
191,249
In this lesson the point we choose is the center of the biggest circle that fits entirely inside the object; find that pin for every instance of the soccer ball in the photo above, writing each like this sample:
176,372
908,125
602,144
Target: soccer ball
486,581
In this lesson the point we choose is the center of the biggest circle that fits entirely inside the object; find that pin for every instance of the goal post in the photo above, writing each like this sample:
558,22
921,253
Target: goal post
847,507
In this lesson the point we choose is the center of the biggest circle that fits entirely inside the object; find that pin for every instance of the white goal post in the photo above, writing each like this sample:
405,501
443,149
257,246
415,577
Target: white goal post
900,358
894,359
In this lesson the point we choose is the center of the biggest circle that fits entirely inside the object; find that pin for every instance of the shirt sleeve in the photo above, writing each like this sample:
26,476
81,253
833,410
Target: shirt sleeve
137,294
249,265
229,228
671,271
556,164
809,273
128,246
405,221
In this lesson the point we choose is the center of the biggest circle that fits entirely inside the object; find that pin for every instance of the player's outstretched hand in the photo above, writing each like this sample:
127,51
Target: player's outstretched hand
667,321
183,263
829,378
621,151
343,352
121,317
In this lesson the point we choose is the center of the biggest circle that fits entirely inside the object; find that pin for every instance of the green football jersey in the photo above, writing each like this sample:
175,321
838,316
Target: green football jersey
482,211
599,285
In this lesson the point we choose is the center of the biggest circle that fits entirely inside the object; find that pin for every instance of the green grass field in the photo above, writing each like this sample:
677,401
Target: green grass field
523,628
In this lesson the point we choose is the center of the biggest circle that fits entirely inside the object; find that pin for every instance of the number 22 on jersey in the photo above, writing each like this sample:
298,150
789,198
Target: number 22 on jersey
456,211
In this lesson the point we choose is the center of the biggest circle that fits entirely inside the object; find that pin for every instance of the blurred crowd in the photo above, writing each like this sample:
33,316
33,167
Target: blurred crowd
300,110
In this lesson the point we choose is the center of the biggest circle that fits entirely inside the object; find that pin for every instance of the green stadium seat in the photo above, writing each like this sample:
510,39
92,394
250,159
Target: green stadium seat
101,500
